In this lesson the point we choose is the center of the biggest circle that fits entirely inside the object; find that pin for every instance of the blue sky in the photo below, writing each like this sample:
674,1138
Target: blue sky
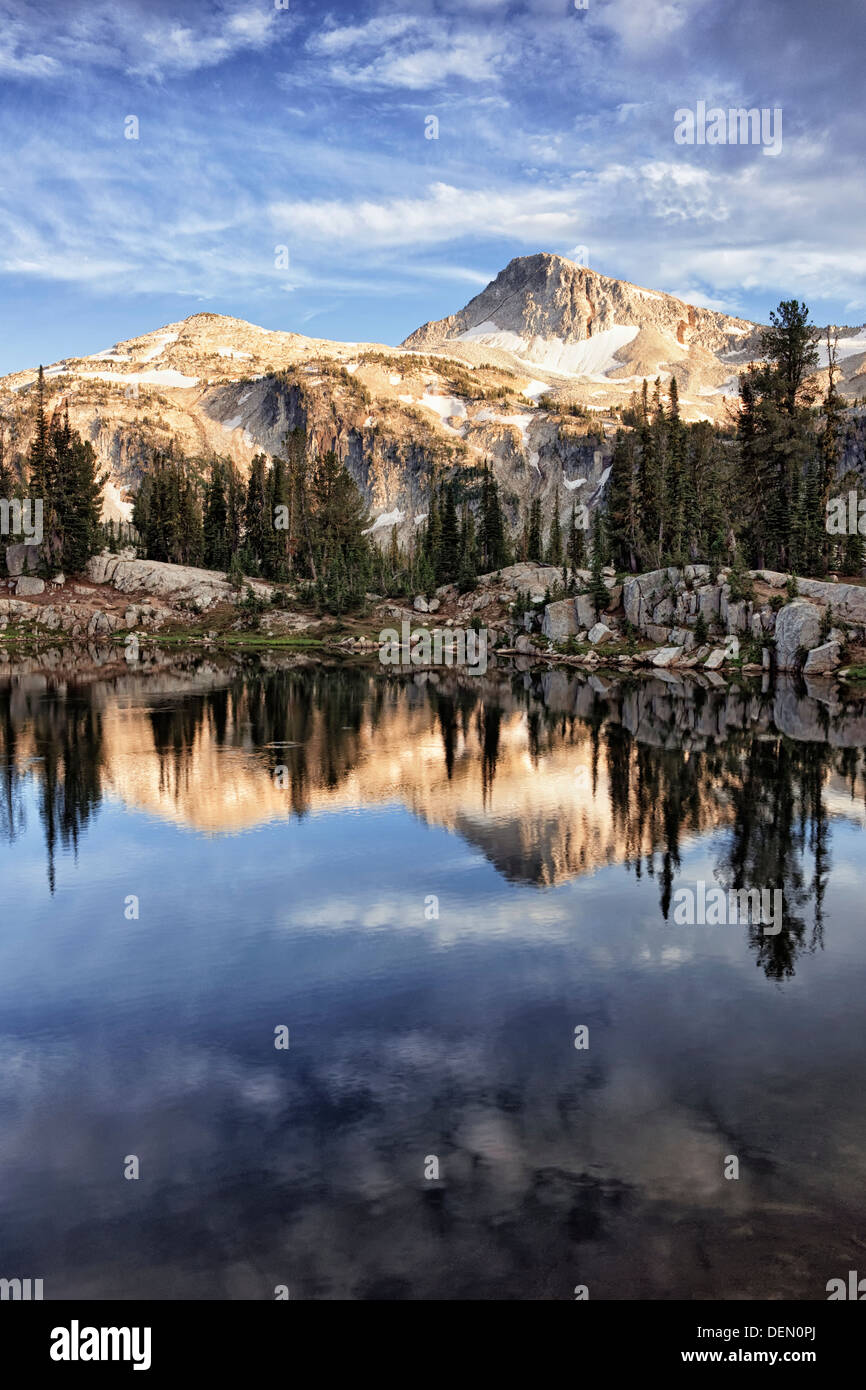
304,127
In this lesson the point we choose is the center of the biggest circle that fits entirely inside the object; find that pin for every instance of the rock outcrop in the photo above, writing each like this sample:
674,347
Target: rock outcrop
798,629
179,584
666,605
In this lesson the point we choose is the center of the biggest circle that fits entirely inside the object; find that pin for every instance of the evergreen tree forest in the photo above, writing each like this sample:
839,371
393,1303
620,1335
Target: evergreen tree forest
751,494
60,471
299,518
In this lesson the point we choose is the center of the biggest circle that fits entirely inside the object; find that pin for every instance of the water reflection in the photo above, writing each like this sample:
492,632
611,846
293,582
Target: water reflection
550,778
285,826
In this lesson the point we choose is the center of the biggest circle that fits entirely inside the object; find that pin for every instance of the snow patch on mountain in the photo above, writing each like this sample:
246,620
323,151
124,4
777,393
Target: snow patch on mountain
846,347
445,406
168,377
591,357
159,349
386,519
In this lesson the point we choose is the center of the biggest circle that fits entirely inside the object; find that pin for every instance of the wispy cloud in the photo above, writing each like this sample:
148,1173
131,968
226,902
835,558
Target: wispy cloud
133,37
444,214
306,127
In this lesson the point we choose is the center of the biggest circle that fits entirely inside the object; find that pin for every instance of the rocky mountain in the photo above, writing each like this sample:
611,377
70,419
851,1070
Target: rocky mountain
496,383
218,385
597,338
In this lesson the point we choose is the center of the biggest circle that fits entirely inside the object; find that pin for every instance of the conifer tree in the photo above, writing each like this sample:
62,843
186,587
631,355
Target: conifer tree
534,549
598,590
276,557
622,510
8,479
336,519
38,452
256,527
449,544
467,574
493,544
217,541
235,500
554,542
676,469
827,469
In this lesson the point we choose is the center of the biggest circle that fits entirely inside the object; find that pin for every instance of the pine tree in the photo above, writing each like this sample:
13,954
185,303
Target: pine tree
300,553
789,344
449,544
467,574
622,511
235,498
278,510
217,544
740,580
534,542
256,527
827,469
853,555
337,520
70,466
494,550
190,530
597,589
38,452
554,542
433,531
8,479
675,481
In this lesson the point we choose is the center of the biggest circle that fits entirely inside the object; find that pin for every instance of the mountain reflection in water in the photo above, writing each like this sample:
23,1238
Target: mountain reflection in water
286,829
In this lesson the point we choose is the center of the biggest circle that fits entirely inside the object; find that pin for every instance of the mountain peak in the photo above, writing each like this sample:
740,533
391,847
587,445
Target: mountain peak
549,302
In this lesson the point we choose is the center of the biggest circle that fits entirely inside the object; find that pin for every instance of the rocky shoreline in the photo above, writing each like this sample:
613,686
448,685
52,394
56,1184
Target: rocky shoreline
689,619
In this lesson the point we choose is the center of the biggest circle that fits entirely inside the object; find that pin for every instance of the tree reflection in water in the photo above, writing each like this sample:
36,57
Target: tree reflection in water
668,762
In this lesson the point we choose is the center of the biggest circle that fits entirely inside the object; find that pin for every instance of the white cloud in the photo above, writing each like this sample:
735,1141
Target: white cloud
133,39
530,214
476,57
685,192
168,47
341,39
649,23
15,60
33,65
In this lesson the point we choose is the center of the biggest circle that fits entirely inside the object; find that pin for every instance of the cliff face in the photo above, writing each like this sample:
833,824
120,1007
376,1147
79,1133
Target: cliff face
549,297
492,384
595,338
598,335
218,386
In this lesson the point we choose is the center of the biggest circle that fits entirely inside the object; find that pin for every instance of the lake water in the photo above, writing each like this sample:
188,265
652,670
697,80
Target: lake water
431,886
